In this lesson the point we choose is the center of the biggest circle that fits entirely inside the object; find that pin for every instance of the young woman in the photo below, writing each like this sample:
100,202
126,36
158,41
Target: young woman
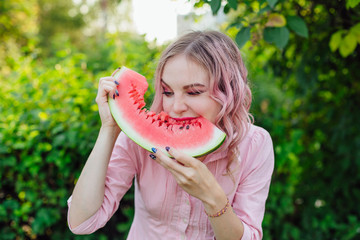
221,195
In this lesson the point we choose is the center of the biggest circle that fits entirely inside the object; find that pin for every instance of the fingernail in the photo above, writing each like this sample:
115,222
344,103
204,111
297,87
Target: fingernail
114,96
116,82
154,150
152,156
117,92
167,148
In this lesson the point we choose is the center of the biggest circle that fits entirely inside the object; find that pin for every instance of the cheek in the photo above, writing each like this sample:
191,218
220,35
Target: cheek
214,111
165,105
208,108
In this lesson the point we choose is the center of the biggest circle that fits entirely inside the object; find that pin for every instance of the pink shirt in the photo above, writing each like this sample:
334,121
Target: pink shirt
164,211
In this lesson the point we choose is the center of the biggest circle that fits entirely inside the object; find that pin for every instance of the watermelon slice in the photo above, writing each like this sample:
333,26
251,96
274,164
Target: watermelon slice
195,137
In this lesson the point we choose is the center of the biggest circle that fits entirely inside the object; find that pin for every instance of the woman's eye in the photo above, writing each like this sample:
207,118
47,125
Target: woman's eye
195,92
167,93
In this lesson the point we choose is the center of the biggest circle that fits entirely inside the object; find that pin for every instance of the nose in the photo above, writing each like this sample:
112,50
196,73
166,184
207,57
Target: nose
179,106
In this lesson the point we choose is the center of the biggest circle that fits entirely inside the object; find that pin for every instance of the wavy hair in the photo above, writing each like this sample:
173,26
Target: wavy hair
220,56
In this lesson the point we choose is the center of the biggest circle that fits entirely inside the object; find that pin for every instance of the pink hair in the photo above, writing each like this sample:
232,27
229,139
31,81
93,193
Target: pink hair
220,56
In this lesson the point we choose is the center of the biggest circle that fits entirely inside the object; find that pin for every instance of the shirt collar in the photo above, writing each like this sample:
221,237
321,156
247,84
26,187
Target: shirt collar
214,156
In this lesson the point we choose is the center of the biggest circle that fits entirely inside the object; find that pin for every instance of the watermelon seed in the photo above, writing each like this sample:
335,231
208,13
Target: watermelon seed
181,127
187,127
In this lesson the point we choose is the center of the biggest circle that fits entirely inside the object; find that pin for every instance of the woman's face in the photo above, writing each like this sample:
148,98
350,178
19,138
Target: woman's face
186,93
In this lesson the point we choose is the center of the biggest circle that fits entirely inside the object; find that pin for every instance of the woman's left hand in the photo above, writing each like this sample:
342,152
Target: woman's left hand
192,175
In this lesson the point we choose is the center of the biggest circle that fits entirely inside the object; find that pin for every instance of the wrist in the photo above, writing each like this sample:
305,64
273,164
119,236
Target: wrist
220,212
113,131
215,204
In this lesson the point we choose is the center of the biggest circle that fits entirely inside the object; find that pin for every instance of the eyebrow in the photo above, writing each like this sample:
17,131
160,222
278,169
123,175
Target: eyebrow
186,86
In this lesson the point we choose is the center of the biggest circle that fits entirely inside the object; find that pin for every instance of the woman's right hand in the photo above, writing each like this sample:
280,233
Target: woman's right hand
107,86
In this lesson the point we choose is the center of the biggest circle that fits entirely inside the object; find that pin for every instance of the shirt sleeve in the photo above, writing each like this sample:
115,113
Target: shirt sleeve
120,173
252,192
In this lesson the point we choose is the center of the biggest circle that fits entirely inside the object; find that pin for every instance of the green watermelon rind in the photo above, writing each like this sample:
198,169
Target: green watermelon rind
216,141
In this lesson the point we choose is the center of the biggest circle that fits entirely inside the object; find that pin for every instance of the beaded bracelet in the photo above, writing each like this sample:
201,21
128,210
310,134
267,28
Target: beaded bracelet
221,212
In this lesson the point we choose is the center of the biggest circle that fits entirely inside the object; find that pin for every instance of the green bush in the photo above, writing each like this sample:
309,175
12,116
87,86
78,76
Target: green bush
49,124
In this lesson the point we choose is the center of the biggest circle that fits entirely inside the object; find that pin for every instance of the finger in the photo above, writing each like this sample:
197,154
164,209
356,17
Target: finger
116,70
172,166
166,161
106,79
186,160
108,87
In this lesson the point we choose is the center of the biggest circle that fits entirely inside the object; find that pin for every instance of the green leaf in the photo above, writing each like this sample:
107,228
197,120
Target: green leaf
355,30
298,25
226,9
352,3
265,9
278,36
272,3
348,45
237,24
233,4
242,36
215,6
276,20
335,40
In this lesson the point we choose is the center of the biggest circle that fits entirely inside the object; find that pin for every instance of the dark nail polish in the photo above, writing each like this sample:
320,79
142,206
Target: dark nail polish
114,96
154,150
167,148
116,82
117,92
152,156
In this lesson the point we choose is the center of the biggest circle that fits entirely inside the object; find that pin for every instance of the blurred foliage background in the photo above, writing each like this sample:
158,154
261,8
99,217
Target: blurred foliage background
304,66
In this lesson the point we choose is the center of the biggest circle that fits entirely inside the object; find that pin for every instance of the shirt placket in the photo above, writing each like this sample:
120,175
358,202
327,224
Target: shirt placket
184,214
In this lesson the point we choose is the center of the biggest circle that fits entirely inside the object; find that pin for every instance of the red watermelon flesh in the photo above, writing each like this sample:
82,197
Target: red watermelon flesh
195,137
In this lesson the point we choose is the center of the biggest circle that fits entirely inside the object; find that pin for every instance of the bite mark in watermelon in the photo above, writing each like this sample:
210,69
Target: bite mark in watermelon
195,137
